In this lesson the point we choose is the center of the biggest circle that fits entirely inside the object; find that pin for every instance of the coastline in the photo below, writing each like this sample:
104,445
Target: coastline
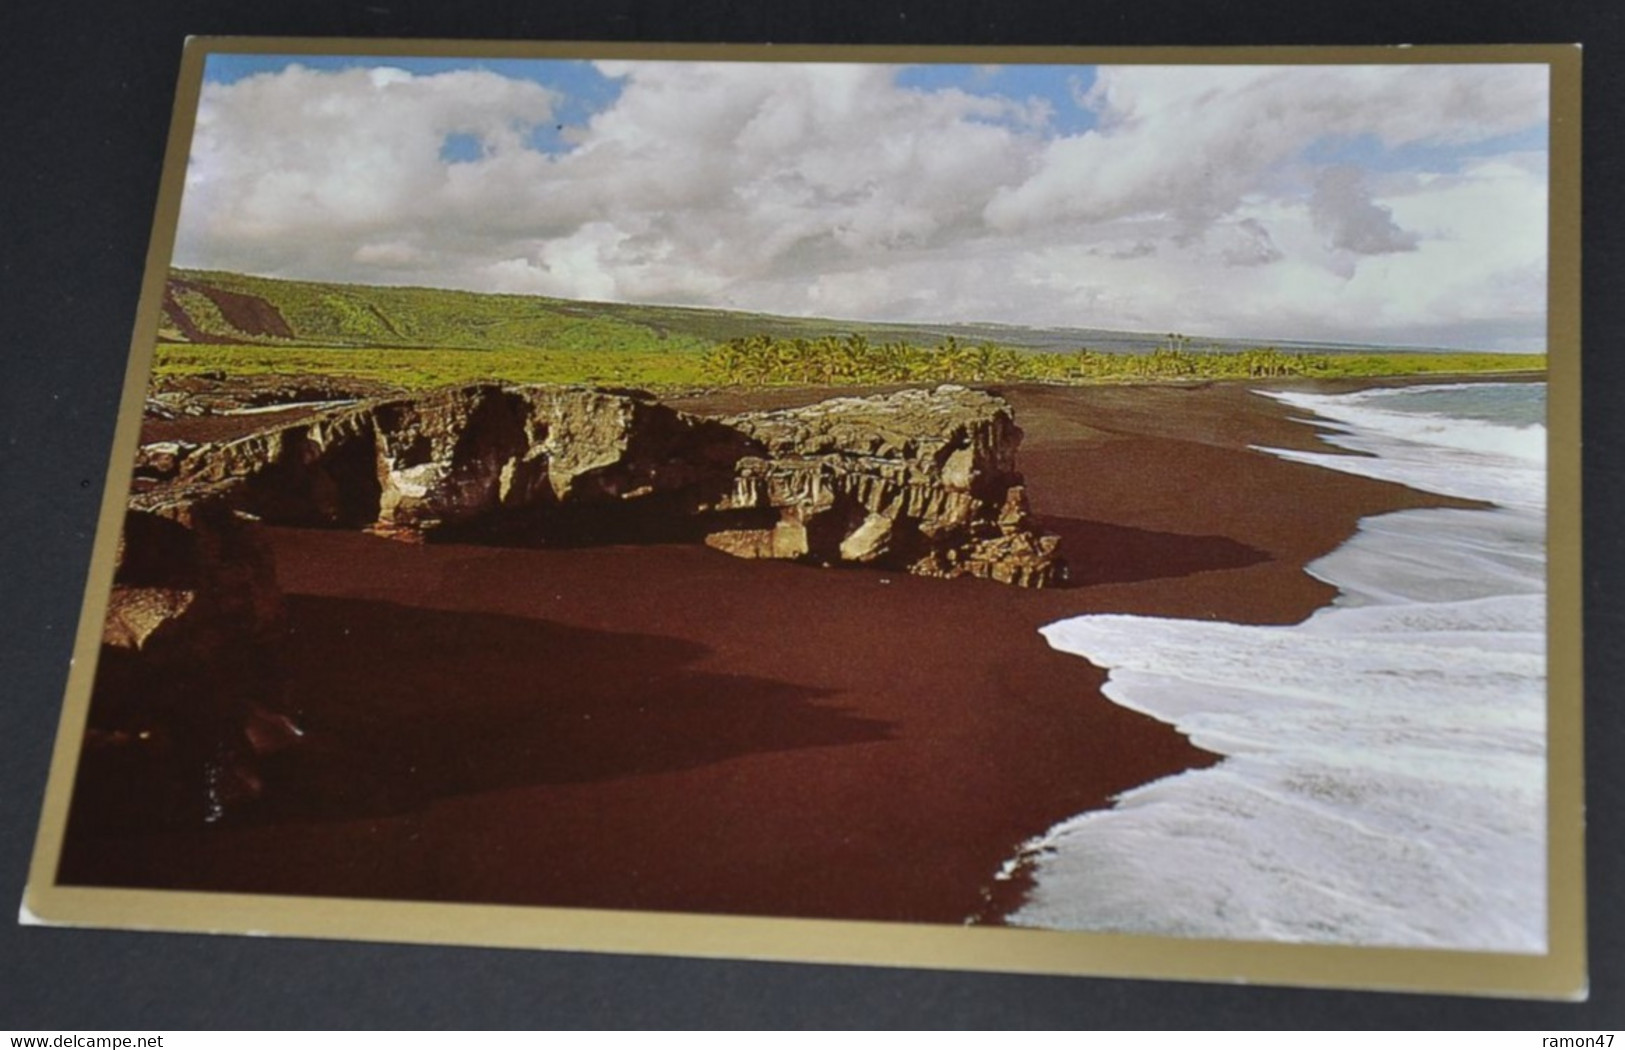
839,744
1346,811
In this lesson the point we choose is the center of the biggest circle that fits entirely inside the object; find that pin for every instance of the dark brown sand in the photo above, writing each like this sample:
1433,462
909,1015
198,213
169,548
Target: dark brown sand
665,727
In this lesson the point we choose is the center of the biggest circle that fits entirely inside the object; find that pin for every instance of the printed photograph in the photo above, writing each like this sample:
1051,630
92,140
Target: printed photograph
1104,498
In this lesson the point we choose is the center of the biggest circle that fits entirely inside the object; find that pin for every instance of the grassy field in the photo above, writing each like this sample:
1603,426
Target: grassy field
805,365
327,315
213,307
421,369
764,360
222,308
422,337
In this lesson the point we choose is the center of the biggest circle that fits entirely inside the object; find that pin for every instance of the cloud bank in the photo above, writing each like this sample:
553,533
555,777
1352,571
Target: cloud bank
1398,204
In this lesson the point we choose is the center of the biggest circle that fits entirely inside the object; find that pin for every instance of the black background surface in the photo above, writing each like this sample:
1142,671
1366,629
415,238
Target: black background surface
86,89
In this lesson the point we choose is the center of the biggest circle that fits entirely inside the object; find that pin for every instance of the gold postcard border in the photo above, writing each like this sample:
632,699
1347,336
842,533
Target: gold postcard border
1558,974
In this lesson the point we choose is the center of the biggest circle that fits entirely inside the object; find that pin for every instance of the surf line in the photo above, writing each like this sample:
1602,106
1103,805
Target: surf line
1385,759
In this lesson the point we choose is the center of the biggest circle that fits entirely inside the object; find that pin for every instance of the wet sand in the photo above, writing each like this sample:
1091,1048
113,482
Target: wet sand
665,727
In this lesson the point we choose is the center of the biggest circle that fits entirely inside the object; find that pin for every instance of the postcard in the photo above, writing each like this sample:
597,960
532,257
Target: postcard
1093,512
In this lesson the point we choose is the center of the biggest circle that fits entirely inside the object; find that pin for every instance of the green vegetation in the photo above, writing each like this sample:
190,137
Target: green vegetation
764,360
200,308
214,307
421,337
321,314
421,369
334,316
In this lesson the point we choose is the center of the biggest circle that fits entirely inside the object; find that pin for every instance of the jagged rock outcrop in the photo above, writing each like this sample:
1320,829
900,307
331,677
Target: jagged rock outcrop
920,480
412,467
923,481
188,688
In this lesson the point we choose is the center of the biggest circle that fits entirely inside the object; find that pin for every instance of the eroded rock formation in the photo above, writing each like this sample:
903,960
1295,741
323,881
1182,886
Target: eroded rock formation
920,481
923,481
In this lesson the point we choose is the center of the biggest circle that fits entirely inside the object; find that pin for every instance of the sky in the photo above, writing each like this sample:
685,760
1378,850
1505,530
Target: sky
1389,204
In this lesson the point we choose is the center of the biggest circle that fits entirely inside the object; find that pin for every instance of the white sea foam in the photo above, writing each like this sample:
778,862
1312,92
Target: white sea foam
1385,774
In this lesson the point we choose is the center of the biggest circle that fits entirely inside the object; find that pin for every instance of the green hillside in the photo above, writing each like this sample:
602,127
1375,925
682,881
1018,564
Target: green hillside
419,337
210,306
227,308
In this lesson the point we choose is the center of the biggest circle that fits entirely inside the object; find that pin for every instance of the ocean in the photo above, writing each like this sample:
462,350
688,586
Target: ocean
1385,764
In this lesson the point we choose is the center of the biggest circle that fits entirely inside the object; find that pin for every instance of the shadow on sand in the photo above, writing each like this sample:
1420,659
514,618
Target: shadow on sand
1098,553
404,706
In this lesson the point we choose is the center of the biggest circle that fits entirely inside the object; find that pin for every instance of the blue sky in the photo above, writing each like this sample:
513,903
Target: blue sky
1061,86
584,91
1367,152
1401,204
587,91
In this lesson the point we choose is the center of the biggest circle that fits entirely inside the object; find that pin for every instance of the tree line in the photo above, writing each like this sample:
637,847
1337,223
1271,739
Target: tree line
764,360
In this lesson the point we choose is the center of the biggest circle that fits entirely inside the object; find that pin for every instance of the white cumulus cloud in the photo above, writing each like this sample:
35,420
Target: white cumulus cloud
1198,201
